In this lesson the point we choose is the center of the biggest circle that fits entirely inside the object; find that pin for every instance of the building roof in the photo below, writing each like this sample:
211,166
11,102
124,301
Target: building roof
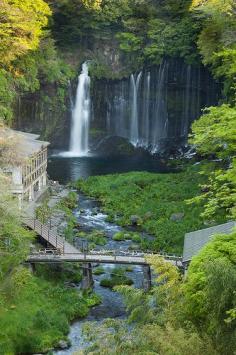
27,143
195,241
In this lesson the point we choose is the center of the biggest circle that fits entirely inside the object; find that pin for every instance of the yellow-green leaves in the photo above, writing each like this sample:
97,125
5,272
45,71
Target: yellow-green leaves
21,24
215,132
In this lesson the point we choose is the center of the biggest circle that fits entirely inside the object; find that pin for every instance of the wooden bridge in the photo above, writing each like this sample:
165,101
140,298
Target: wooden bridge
59,251
62,251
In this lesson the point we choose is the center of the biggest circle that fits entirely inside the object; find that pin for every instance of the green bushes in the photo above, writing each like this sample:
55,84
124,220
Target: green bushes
117,277
210,292
123,235
70,201
99,270
96,237
35,314
154,198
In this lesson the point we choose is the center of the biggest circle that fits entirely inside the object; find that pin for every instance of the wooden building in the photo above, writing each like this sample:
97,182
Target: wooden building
29,176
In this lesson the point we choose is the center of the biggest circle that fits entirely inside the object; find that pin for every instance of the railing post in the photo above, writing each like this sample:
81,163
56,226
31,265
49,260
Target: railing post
48,235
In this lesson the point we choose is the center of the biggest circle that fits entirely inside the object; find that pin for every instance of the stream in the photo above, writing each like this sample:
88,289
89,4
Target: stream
91,218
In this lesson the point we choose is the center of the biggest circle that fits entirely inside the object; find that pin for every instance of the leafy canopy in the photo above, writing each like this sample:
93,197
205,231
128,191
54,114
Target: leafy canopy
210,291
21,23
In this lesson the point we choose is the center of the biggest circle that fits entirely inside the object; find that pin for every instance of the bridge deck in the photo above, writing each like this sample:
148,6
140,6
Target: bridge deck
91,258
50,236
102,258
65,252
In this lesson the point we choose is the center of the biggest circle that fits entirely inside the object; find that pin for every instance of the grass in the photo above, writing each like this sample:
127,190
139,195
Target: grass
153,198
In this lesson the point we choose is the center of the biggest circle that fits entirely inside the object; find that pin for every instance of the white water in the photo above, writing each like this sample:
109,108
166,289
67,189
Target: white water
134,128
79,138
146,120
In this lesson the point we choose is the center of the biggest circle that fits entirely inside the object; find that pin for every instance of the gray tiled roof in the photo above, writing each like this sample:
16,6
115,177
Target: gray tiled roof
194,241
27,143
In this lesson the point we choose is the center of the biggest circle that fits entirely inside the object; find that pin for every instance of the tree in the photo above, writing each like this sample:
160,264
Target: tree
21,24
215,132
210,291
216,40
214,135
155,328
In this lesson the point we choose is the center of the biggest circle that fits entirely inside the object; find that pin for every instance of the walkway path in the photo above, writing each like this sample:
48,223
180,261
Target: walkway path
99,258
63,251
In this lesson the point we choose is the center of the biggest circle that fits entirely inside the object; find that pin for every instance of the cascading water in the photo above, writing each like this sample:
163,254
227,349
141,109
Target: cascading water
161,116
155,108
134,126
145,126
79,138
187,103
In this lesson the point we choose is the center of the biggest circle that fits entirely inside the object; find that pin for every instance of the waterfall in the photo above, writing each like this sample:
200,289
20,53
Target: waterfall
187,103
160,107
134,127
146,113
81,115
154,108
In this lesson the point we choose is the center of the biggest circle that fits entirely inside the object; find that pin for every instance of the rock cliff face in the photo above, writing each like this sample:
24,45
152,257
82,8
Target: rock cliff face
156,106
152,108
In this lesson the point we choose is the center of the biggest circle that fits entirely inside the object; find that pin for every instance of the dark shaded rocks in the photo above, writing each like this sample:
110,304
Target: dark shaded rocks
176,217
62,344
134,220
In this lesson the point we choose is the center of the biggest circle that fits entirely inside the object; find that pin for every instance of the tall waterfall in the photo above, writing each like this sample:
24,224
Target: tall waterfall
154,108
134,127
161,118
79,138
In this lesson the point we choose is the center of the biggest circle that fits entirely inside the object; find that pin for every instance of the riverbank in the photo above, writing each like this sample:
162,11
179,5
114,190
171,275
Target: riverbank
38,305
150,202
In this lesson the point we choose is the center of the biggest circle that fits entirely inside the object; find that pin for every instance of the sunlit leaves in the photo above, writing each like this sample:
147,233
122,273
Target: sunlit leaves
21,24
209,291
215,132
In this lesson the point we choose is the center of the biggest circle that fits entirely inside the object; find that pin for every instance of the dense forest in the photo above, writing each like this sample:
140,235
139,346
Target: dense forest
42,46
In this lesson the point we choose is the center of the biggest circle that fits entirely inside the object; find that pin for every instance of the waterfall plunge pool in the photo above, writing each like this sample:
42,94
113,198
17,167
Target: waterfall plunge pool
65,168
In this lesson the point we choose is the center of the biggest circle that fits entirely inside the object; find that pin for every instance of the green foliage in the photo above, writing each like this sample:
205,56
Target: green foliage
7,95
99,270
173,39
214,134
149,339
216,41
21,27
117,277
43,212
156,317
14,239
210,291
146,31
179,315
70,201
140,193
95,237
31,324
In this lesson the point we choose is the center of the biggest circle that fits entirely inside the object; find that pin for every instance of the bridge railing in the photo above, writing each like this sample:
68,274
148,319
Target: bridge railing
114,253
46,233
